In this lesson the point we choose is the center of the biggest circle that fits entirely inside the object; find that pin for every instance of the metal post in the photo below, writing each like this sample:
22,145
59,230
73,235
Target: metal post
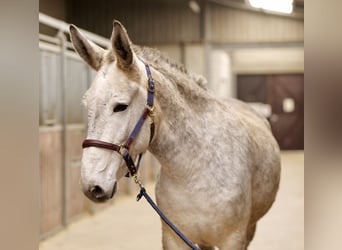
182,53
63,42
205,32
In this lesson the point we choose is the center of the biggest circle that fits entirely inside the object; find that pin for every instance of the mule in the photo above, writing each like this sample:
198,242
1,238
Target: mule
220,164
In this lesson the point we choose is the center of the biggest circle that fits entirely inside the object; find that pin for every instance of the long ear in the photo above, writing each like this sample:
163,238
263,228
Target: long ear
89,51
122,45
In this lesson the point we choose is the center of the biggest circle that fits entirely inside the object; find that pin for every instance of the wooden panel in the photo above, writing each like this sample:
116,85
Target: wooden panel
276,90
252,88
75,199
287,126
50,180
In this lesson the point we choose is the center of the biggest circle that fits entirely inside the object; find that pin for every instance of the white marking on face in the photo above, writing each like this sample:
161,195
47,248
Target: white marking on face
106,122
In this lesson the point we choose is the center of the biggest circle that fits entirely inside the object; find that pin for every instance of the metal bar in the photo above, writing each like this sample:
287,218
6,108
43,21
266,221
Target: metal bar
54,40
42,92
182,52
63,121
206,35
48,85
57,49
64,27
49,47
49,39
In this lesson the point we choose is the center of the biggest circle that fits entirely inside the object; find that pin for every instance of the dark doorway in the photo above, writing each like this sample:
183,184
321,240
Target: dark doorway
285,94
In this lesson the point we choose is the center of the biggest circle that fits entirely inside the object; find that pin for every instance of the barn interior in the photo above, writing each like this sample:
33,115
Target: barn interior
252,54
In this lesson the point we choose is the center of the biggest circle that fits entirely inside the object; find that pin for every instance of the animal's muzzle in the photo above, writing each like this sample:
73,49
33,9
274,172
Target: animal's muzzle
97,194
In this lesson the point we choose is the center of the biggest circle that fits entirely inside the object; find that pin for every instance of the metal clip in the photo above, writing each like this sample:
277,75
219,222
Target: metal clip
150,109
150,84
137,181
122,146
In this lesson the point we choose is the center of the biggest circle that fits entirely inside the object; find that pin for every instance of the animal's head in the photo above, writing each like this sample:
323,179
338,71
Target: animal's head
114,103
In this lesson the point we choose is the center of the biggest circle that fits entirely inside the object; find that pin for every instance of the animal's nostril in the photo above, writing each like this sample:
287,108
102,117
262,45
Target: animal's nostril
97,191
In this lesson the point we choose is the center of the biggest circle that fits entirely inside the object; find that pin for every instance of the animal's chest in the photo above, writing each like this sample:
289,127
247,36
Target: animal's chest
188,203
201,211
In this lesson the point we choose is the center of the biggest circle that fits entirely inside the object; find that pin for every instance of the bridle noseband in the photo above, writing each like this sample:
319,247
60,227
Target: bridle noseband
123,149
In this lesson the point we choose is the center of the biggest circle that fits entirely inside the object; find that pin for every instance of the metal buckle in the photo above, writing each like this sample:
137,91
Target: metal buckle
150,109
150,84
122,146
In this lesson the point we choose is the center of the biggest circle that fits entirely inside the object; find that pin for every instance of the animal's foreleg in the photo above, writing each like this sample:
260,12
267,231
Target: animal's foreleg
206,248
236,241
171,241
250,233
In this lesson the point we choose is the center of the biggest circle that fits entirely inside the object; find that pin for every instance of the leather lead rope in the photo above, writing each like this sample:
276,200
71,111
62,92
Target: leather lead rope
144,194
165,219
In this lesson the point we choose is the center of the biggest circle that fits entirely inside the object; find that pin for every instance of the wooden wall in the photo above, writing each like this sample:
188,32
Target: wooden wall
75,200
50,161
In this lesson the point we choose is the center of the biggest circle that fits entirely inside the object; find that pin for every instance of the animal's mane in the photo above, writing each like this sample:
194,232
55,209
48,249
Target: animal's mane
163,63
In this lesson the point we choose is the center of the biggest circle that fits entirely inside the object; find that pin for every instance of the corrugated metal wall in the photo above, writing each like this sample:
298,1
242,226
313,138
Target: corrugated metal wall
230,25
157,22
147,22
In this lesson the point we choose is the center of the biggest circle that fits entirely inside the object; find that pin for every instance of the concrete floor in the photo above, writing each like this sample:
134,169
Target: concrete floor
128,225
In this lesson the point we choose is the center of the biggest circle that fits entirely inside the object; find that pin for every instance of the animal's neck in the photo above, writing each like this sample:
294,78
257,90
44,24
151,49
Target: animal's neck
182,106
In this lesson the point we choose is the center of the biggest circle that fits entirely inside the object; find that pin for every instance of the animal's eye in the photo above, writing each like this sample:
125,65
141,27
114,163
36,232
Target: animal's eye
120,107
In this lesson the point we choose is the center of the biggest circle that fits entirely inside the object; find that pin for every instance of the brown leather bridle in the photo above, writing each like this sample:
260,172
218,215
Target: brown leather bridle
123,149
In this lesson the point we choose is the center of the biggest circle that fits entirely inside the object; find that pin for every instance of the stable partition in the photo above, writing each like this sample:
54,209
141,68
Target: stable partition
51,176
64,78
61,196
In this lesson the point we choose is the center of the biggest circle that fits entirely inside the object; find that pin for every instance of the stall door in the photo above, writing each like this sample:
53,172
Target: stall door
285,94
